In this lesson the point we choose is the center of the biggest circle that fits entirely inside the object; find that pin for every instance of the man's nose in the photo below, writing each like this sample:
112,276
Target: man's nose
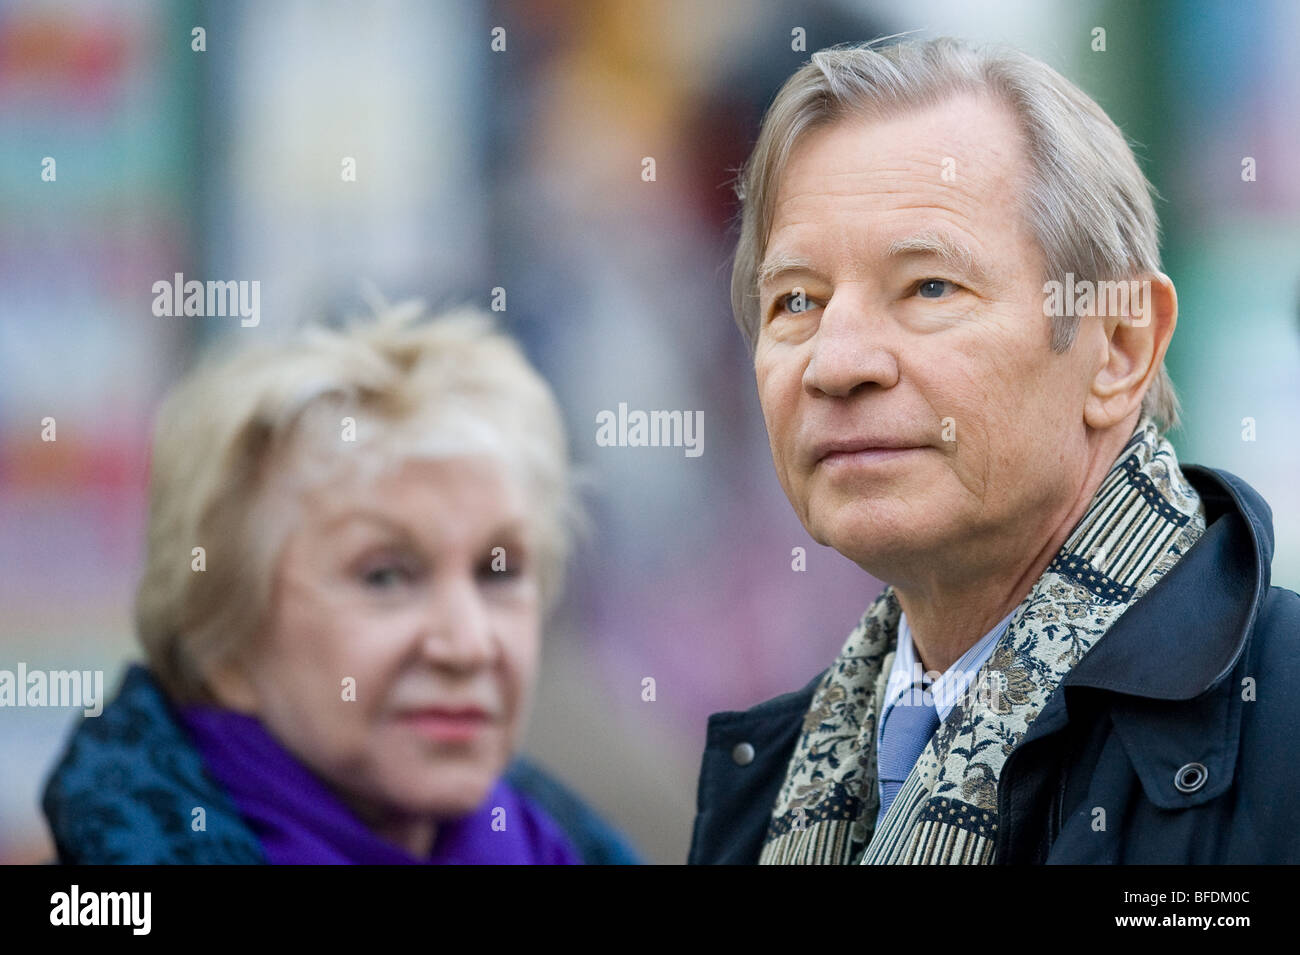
851,348
459,634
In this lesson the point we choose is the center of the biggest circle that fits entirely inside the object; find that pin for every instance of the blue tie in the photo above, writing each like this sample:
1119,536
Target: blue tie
909,724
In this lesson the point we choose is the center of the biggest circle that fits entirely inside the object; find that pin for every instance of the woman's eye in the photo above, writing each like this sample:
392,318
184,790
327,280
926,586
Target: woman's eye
496,572
386,577
934,288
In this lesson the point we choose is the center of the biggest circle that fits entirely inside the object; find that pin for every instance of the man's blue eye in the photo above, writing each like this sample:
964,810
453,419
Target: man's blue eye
794,302
932,288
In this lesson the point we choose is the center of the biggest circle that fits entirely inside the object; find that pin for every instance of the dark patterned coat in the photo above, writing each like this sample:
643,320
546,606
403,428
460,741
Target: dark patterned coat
1179,724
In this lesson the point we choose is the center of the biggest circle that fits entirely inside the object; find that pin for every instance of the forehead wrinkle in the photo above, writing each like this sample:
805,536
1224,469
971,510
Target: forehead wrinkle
989,170
944,223
954,249
888,198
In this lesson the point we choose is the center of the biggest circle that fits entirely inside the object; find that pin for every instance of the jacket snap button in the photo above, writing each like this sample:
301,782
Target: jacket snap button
1190,778
742,754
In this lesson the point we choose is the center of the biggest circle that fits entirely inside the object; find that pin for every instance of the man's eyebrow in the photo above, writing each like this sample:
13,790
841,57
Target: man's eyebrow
946,249
778,264
954,254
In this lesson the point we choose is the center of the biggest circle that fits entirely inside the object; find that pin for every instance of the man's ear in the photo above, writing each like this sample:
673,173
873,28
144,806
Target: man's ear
1137,338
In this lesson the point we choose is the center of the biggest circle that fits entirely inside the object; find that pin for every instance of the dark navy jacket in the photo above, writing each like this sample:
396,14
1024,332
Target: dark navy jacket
1203,669
123,790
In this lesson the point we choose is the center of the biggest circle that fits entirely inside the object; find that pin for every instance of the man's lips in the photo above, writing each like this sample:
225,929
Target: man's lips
861,450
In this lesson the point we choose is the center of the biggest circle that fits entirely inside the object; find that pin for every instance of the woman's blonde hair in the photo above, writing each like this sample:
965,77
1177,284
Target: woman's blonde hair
250,425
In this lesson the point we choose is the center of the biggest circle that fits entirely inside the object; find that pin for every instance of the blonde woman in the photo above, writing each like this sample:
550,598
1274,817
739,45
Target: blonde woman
354,538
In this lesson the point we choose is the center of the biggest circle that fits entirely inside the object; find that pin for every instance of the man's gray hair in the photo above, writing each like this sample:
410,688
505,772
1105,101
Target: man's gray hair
1087,203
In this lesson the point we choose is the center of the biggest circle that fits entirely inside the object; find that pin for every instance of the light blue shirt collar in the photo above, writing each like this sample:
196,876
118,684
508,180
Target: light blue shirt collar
954,681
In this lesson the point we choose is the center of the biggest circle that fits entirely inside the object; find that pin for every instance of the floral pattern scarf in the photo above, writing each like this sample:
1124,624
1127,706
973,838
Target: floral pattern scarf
1143,518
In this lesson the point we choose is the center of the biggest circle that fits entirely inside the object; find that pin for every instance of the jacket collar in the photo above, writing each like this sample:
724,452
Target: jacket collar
1220,583
128,786
1158,663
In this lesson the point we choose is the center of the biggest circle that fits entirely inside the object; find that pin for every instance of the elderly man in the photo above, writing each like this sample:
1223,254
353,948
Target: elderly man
1078,656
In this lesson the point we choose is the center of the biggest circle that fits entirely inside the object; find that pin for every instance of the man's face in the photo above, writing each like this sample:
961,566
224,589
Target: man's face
923,326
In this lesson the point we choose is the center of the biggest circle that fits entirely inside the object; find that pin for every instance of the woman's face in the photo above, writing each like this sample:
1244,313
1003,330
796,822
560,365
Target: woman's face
403,639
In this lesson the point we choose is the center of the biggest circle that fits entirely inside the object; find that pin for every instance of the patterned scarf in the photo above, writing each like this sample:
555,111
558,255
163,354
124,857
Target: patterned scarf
1143,518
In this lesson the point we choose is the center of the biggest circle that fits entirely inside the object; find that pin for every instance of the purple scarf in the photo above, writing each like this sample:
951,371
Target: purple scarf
299,821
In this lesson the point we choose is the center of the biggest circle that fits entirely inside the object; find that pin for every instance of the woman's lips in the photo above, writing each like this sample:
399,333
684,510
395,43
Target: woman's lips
448,726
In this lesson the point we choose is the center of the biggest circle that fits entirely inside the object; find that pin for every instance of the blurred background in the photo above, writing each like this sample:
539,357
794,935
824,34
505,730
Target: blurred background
522,170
